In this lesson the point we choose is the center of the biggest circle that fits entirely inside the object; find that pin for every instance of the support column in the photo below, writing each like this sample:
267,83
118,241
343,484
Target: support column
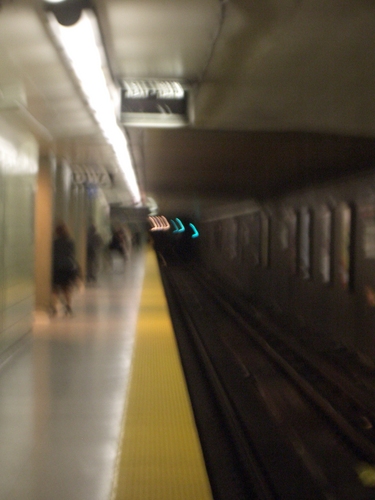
78,216
62,195
44,209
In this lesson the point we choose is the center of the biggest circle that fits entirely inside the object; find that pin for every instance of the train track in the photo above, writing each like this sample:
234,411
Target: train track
285,426
345,395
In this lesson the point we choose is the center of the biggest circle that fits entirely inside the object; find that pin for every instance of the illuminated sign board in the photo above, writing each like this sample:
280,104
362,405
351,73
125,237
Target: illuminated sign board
154,103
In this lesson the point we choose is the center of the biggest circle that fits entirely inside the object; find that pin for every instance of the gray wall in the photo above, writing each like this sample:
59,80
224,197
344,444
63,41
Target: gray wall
18,168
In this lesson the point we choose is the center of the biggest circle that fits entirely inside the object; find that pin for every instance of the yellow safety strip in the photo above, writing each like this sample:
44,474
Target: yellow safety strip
160,457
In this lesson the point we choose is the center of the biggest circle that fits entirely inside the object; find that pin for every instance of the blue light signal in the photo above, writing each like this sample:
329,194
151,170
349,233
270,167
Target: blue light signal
195,231
180,228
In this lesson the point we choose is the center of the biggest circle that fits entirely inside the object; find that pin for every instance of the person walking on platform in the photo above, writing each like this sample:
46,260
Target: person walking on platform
118,246
65,269
94,244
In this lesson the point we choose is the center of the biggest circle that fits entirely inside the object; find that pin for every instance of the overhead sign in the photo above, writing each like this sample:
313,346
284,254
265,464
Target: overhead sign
90,177
154,103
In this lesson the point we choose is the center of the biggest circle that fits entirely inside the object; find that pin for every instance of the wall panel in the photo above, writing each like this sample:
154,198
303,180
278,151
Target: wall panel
2,245
18,168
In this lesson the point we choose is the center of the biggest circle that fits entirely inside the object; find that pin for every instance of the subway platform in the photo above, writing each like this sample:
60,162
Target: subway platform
95,406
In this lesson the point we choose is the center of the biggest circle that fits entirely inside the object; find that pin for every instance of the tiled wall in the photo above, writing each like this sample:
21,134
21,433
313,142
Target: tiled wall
18,168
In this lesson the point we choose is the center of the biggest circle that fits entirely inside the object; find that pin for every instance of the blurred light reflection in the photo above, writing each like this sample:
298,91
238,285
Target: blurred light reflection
159,223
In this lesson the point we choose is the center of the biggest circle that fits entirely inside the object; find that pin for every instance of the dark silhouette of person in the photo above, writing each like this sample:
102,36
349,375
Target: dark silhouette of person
65,269
118,243
94,244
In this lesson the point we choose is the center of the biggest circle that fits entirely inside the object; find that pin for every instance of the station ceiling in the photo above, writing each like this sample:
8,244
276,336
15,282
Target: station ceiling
282,93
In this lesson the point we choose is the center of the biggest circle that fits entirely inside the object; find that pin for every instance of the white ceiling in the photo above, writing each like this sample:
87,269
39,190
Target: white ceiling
283,91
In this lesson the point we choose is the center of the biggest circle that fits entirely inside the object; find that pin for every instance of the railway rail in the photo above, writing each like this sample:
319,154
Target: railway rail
274,422
350,393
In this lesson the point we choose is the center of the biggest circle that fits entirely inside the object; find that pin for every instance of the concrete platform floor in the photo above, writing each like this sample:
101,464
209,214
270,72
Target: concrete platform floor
62,394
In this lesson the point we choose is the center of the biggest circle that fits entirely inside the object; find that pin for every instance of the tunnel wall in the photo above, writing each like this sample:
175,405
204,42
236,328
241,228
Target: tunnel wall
308,257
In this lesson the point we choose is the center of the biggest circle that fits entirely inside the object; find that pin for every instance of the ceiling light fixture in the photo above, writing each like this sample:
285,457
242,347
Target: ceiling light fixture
67,12
81,43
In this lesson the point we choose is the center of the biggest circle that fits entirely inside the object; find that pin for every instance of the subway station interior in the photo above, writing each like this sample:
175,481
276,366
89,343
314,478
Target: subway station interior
224,347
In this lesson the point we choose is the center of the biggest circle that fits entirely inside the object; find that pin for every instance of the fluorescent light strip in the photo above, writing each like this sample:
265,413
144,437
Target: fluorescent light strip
82,47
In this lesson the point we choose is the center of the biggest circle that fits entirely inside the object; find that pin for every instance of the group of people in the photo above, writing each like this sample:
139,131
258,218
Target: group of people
66,272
